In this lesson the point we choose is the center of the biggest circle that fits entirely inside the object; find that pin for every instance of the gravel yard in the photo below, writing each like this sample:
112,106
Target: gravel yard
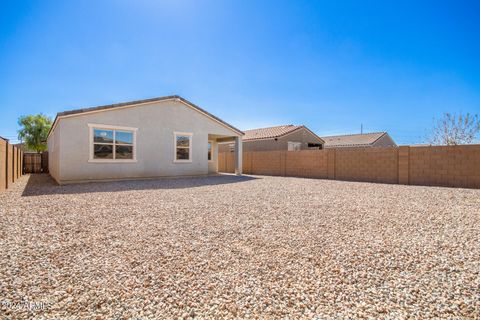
226,246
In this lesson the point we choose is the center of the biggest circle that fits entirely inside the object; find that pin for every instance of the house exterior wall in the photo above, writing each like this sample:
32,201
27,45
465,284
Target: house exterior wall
385,141
53,143
213,165
155,149
301,135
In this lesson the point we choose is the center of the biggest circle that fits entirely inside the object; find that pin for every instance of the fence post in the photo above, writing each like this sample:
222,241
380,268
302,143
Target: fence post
403,164
18,164
13,164
6,165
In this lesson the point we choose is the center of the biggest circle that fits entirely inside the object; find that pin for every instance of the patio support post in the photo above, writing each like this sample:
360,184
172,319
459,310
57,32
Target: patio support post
238,156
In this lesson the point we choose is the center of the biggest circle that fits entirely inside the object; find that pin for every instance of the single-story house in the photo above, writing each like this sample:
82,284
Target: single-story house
286,137
159,137
361,140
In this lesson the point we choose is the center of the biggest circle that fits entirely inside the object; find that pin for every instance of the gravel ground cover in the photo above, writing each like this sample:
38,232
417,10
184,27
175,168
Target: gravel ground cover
226,247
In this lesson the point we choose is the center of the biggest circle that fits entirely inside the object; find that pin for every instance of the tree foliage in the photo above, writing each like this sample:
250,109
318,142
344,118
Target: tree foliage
454,130
34,131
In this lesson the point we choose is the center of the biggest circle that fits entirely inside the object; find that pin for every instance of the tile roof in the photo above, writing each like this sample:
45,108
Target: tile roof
350,140
269,133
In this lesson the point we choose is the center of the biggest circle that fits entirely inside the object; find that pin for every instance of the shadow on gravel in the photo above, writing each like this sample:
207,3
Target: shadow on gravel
43,184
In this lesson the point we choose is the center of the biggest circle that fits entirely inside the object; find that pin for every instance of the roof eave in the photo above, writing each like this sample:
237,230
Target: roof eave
79,112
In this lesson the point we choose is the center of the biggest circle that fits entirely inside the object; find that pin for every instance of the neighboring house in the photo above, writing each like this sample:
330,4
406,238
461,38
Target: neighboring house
361,140
286,137
166,136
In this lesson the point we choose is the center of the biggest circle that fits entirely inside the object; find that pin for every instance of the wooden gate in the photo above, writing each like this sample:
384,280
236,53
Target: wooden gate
45,162
35,162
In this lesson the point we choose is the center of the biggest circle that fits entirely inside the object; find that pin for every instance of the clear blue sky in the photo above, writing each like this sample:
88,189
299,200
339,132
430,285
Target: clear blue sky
331,65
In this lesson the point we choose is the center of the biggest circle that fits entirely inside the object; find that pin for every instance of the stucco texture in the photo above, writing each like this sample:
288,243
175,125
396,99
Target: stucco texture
156,123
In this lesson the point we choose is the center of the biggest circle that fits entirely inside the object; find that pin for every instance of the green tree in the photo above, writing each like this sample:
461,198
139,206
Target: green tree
34,131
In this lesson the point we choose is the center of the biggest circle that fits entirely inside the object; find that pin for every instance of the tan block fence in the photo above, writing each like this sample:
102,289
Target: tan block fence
11,164
450,166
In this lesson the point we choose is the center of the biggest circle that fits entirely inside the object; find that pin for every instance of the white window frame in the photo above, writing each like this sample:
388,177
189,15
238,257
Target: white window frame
211,151
190,155
93,126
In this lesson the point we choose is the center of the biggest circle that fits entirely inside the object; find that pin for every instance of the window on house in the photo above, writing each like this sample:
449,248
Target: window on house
294,146
210,150
315,145
112,144
183,147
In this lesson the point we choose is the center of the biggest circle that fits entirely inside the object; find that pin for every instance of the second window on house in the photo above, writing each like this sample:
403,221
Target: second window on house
210,150
183,147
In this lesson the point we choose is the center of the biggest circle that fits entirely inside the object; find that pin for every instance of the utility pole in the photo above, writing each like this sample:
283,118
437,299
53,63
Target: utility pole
361,128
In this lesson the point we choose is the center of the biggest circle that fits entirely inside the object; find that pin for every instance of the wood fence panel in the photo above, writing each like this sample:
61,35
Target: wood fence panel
19,163
3,167
14,164
45,162
33,162
10,165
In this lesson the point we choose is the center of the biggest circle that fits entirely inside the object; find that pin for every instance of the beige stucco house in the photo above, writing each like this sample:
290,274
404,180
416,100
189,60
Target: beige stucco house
159,137
361,140
285,137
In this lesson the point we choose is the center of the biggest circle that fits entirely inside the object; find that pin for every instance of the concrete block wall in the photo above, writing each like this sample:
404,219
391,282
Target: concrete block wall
451,166
270,163
367,164
308,164
403,165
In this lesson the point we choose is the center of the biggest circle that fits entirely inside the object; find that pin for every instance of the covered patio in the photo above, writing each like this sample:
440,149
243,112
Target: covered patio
238,151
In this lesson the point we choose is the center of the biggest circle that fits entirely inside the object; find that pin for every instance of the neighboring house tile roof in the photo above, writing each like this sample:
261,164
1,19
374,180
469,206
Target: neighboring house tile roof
271,132
131,103
353,140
